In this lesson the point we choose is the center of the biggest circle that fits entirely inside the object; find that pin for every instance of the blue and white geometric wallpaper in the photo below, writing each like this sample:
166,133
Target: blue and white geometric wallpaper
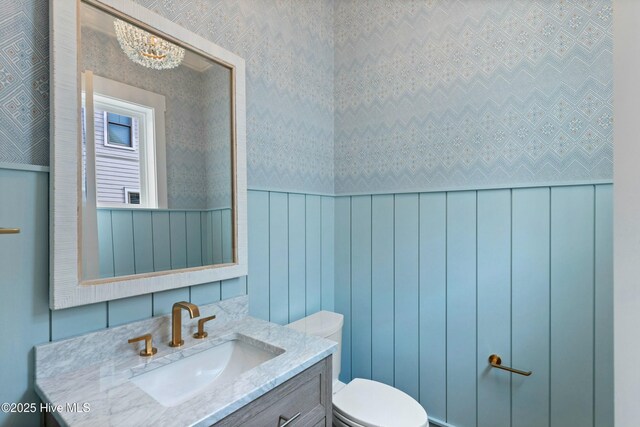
453,94
288,49
379,95
217,160
24,82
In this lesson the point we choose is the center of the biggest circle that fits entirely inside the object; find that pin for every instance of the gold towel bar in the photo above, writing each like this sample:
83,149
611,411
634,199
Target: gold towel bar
496,362
9,230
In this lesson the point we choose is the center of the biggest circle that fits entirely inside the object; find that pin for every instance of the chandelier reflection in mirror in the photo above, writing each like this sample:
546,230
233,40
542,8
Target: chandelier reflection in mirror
147,49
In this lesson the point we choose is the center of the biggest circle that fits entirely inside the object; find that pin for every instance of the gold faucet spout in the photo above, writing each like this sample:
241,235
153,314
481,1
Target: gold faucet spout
193,309
176,320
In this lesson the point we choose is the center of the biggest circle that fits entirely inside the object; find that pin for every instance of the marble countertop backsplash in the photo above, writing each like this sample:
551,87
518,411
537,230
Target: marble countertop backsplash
96,368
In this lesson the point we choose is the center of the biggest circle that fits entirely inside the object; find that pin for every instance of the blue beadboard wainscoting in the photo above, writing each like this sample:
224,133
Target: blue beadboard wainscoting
291,275
431,284
135,241
291,255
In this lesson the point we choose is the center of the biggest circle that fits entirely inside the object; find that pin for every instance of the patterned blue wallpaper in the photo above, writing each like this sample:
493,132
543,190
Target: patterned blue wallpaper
446,94
288,49
216,104
425,94
24,82
288,46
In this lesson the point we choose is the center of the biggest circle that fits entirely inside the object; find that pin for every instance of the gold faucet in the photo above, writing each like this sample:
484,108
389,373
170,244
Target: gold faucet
149,349
202,334
176,320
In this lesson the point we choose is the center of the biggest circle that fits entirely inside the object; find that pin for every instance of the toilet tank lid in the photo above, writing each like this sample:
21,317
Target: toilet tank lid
323,324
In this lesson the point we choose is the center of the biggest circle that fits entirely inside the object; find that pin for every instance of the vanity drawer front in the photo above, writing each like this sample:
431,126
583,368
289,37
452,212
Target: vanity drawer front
304,400
307,394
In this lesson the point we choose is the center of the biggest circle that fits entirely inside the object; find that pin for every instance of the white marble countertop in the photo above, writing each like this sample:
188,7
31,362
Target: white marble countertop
96,368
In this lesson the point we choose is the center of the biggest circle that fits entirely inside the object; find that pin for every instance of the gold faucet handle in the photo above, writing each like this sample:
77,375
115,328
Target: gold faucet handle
201,333
149,349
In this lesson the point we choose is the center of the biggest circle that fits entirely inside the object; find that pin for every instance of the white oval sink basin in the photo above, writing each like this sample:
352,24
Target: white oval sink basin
181,380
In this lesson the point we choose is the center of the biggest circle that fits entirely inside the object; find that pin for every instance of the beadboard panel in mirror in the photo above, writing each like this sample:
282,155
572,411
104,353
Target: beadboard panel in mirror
148,155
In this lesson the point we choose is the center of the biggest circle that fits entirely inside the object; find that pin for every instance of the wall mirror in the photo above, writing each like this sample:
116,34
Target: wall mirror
148,172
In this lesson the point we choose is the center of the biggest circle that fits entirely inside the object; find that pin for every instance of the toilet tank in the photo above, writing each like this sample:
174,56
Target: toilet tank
325,324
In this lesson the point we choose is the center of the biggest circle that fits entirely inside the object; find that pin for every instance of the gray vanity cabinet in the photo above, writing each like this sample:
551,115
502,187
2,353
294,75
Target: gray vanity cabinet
307,394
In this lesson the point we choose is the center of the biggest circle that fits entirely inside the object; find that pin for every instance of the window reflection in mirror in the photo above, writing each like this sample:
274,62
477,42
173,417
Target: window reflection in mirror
156,122
129,145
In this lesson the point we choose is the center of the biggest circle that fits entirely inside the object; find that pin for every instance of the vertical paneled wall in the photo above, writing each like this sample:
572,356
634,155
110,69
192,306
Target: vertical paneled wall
431,284
130,244
291,242
24,286
289,277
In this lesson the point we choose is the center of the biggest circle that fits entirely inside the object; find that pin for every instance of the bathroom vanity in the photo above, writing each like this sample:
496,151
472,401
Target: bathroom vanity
246,372
120,101
305,399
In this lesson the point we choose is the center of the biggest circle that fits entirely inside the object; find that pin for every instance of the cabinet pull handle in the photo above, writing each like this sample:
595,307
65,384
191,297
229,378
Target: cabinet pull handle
496,362
9,230
287,421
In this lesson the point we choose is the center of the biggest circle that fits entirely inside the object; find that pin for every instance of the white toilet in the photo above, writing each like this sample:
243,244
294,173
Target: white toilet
361,403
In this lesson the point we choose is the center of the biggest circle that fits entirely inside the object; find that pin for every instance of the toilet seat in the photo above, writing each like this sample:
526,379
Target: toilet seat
341,421
366,403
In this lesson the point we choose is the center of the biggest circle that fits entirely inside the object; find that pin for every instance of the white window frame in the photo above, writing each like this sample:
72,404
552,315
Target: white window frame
149,108
128,191
145,146
106,141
